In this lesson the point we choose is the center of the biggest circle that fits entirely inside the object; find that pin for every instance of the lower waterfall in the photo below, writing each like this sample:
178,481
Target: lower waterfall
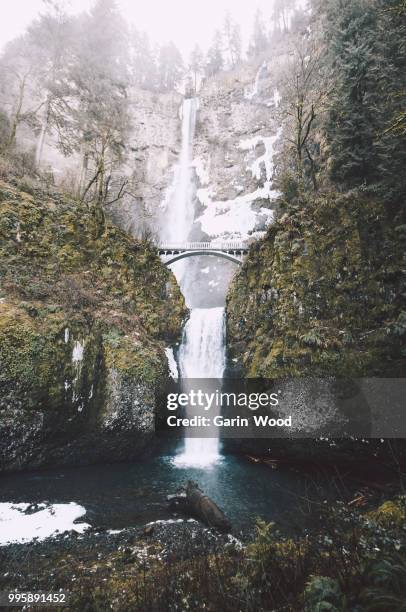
202,355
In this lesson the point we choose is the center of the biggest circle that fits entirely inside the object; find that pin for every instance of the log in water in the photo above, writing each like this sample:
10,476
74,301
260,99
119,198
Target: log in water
195,502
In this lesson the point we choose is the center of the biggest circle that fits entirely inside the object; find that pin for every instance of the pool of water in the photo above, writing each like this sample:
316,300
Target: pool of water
132,494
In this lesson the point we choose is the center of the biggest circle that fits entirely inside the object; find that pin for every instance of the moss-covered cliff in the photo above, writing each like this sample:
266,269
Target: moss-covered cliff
83,320
322,292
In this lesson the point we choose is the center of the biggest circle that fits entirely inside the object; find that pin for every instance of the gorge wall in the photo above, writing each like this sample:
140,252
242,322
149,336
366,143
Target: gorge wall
321,293
85,315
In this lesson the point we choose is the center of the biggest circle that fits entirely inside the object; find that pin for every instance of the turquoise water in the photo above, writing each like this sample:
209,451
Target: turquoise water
132,494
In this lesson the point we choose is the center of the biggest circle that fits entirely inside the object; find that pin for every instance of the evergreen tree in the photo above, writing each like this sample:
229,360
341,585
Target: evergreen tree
368,69
51,38
100,120
215,60
351,125
170,67
280,15
232,40
236,44
196,64
259,40
143,66
397,12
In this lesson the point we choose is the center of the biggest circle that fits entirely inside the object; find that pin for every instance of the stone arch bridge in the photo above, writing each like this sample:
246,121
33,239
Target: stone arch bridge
232,250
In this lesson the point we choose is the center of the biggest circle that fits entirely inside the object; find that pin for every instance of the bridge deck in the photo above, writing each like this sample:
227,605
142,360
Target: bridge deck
224,247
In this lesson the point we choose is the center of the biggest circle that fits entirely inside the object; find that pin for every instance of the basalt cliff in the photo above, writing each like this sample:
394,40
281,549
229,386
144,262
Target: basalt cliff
85,315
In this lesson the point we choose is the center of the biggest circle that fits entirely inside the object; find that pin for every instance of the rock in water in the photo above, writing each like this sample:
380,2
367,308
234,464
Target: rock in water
148,530
205,508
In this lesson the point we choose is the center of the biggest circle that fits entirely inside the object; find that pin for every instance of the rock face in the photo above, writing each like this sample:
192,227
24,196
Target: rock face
83,326
236,139
152,154
321,293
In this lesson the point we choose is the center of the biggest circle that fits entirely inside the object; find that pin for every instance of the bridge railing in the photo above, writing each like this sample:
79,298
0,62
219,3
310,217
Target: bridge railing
231,245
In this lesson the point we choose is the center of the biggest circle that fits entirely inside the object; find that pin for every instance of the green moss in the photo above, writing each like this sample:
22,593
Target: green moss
112,293
133,359
321,292
392,512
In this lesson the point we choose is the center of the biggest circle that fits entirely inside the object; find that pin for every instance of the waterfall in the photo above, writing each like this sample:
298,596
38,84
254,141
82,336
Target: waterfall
179,209
202,352
202,355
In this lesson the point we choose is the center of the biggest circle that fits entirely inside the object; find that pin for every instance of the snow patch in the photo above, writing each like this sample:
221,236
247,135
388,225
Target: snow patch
77,353
18,526
234,218
173,366
171,521
265,160
66,335
201,171
235,542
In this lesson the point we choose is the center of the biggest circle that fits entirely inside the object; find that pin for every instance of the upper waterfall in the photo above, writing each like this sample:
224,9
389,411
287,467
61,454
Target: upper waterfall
179,211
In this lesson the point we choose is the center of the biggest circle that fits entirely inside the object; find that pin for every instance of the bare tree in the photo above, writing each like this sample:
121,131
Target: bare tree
51,38
99,122
19,84
305,95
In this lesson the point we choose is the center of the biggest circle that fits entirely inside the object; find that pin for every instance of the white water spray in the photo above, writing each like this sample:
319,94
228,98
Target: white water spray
202,355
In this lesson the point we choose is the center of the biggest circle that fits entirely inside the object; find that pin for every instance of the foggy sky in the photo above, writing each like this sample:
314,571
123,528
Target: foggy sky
183,21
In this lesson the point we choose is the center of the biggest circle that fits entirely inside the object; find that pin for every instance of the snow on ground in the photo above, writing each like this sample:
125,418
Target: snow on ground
201,171
40,522
233,218
236,218
266,160
173,366
77,353
170,521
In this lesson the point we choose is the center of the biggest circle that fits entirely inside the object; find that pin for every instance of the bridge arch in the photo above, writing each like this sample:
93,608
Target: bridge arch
183,255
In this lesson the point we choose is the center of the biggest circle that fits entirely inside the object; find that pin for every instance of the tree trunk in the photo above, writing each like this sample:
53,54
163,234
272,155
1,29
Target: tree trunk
44,128
83,173
17,116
